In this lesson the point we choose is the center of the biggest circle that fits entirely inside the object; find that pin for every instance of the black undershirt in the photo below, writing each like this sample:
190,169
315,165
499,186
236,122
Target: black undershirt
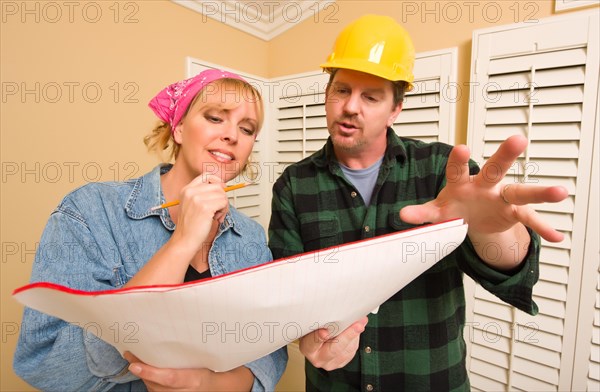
192,275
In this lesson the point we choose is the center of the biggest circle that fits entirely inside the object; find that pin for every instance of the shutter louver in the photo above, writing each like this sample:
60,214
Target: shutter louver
429,109
542,84
420,114
594,369
301,126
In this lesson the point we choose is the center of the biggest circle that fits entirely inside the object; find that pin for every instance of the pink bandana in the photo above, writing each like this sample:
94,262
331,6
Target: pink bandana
171,103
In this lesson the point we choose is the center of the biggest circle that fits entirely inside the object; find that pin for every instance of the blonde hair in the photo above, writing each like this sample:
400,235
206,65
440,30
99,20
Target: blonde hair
160,139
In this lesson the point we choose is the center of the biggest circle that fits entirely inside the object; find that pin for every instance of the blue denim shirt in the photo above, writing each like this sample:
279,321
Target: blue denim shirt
98,237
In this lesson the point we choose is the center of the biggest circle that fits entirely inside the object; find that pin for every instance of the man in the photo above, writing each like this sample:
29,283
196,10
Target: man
366,181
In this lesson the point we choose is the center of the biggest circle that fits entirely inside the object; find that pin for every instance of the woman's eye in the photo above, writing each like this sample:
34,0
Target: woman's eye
247,131
214,119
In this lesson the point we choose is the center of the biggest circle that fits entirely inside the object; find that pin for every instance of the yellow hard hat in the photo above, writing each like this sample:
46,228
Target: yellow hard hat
376,45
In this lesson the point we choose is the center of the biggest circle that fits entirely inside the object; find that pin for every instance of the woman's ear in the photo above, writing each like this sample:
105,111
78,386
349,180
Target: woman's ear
178,133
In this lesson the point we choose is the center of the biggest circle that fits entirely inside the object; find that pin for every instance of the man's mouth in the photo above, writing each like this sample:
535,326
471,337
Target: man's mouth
347,126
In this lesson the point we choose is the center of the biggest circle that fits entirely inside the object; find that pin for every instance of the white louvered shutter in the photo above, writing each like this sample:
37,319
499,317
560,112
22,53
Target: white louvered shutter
248,200
541,81
299,117
593,376
428,111
586,372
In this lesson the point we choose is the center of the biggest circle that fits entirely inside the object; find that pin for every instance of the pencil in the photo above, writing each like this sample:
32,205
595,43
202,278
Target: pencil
175,202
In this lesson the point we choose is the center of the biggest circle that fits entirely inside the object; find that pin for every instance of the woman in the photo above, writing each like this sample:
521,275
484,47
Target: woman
115,239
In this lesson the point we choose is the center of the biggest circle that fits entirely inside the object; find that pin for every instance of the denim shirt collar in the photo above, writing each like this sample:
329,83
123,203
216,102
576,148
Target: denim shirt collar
147,193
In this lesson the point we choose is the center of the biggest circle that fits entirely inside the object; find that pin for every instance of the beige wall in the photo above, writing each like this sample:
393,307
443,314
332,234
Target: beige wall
52,143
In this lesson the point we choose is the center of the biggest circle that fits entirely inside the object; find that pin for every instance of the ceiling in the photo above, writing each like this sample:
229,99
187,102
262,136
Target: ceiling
264,19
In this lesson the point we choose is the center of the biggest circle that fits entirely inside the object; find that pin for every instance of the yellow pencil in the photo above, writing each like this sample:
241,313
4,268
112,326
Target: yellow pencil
175,202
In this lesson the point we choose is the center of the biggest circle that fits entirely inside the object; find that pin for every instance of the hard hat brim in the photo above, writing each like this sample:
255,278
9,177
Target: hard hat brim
371,68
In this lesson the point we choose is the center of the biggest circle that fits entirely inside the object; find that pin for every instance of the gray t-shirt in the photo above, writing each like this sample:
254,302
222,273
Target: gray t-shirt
363,179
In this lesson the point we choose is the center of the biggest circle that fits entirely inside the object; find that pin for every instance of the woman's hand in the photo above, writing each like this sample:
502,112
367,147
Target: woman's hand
202,202
162,379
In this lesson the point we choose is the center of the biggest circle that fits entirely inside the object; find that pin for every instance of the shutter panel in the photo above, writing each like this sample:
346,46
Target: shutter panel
586,373
427,112
539,82
594,366
301,127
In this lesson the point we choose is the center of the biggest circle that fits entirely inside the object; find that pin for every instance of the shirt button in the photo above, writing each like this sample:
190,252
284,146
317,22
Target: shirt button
369,387
368,350
367,229
353,194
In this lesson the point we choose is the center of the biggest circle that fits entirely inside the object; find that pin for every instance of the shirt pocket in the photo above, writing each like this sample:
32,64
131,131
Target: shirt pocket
321,232
120,276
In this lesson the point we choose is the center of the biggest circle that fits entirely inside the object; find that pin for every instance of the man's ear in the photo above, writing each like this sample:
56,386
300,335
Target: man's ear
394,114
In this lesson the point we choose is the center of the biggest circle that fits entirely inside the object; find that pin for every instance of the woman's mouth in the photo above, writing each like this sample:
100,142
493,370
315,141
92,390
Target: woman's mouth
222,156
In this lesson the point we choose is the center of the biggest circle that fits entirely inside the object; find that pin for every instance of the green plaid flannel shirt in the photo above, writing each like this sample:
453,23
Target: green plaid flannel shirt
415,342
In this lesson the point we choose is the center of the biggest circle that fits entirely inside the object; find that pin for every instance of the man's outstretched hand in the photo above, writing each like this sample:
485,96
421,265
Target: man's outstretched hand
486,204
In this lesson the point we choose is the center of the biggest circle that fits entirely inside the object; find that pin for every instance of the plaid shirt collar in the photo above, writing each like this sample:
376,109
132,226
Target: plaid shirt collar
395,152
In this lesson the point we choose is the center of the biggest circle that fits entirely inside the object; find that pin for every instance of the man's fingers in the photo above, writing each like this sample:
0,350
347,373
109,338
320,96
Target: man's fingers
457,168
338,351
501,161
323,335
521,194
353,330
419,214
531,219
342,343
328,352
311,343
555,194
343,357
